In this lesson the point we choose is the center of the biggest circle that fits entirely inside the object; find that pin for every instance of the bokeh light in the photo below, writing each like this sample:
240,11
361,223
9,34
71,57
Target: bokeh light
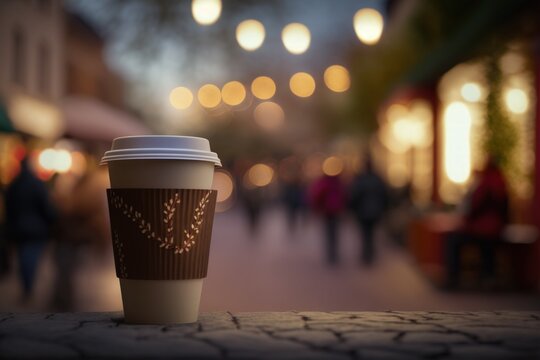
336,78
457,144
302,84
209,96
224,185
55,160
516,101
250,34
233,93
63,161
47,159
368,25
332,166
260,175
296,38
263,87
269,115
78,163
181,97
206,12
396,112
471,92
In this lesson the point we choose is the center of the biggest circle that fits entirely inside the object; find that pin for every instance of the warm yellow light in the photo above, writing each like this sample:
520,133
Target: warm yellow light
206,12
55,160
302,84
471,92
387,138
209,96
398,173
516,101
78,163
368,25
263,87
63,161
457,143
396,112
332,166
250,34
224,185
336,78
233,93
269,115
296,38
181,97
260,175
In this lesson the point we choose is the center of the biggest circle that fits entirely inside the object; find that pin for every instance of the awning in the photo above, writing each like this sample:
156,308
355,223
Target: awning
91,119
5,124
484,18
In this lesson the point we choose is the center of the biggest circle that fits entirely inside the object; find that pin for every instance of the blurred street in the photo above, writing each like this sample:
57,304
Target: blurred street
278,271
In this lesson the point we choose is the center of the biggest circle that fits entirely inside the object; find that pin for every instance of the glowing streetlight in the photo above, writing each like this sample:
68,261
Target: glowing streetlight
269,115
296,38
209,96
250,34
181,97
302,84
263,87
368,25
516,101
337,79
233,93
471,92
206,12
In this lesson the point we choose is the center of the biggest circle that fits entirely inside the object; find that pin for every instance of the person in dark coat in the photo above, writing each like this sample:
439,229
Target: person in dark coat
30,216
368,202
485,216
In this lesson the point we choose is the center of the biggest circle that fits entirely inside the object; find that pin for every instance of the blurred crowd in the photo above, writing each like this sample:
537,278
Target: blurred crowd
70,212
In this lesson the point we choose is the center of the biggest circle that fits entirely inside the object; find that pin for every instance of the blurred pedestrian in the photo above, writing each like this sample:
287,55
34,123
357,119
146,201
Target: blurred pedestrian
293,198
30,217
485,214
368,202
252,199
327,196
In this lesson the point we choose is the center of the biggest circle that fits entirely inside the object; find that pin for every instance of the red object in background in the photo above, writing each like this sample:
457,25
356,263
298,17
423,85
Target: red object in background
427,242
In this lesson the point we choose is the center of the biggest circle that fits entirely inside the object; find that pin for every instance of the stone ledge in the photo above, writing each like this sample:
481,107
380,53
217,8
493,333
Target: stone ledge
271,335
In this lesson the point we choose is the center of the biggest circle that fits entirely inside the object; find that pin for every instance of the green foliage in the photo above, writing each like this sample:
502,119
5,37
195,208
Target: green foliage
500,137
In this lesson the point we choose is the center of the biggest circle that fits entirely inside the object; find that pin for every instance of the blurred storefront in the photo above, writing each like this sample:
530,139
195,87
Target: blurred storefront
458,103
56,89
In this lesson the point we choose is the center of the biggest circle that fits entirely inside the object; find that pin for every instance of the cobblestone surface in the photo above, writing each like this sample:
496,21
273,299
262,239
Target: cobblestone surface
289,335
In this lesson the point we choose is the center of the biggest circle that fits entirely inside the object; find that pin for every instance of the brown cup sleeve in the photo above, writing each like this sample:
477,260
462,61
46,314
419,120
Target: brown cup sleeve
161,234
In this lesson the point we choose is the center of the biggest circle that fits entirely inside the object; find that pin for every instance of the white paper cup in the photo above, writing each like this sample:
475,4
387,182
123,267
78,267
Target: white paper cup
161,162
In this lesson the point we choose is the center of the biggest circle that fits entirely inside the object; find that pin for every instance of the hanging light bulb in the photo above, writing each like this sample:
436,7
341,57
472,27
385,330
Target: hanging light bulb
206,12
368,25
250,34
296,38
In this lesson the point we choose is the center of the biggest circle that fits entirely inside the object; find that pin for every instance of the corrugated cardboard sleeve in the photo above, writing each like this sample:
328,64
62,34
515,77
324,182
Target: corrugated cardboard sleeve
161,234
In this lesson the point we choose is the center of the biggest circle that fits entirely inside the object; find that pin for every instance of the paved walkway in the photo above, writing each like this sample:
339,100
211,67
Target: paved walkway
281,335
274,270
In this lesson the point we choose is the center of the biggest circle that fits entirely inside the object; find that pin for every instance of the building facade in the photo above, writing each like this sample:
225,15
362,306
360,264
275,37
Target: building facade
32,69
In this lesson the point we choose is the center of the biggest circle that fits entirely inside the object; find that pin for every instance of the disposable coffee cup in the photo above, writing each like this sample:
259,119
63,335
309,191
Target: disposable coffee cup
161,207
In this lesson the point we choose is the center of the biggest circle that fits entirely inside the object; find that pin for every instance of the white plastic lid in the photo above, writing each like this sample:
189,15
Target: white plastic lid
160,147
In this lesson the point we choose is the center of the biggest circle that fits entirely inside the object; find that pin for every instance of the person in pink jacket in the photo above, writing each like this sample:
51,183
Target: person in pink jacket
327,197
